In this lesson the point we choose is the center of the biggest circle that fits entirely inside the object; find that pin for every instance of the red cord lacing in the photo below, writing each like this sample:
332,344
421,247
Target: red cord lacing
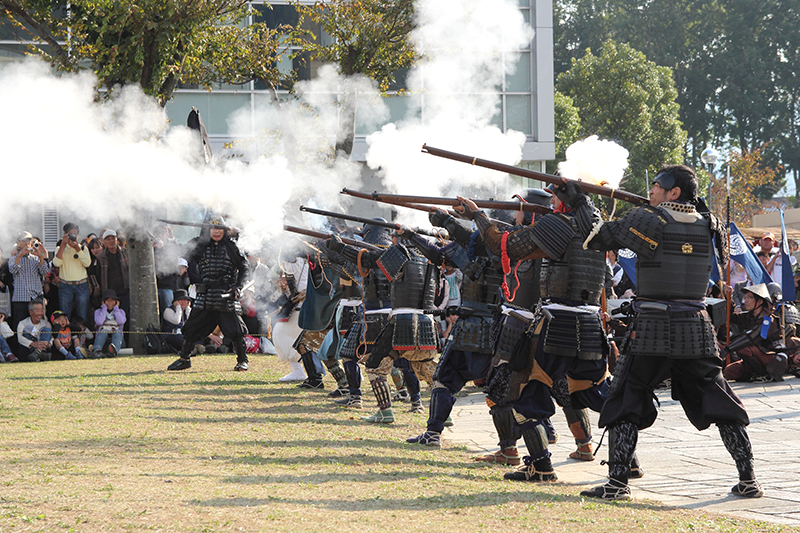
506,262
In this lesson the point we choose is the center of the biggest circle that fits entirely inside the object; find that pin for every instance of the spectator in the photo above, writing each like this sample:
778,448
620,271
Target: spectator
6,279
753,349
34,334
6,354
112,264
72,260
109,319
28,265
95,246
183,281
166,254
65,346
174,319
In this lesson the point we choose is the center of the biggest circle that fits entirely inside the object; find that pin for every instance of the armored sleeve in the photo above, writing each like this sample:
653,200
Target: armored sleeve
428,249
548,237
639,230
368,259
587,215
457,232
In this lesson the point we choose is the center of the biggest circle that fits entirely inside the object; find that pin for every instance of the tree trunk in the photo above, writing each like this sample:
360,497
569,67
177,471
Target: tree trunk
144,294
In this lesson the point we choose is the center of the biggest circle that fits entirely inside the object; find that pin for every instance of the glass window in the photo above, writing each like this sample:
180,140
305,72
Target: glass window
520,80
9,32
215,109
518,113
276,15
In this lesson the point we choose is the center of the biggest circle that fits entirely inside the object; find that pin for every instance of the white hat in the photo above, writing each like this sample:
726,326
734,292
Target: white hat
109,233
182,262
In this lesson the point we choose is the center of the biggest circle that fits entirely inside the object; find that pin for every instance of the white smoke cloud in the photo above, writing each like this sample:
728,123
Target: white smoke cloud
467,47
595,161
115,162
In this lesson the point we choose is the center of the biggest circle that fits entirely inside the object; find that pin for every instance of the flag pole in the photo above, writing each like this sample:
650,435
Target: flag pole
728,267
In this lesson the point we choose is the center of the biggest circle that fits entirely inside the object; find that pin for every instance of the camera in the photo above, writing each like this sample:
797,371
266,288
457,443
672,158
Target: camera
36,245
72,237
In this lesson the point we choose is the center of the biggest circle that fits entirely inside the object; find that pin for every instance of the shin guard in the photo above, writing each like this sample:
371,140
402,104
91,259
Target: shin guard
579,425
734,436
535,437
622,439
307,359
503,418
337,372
381,389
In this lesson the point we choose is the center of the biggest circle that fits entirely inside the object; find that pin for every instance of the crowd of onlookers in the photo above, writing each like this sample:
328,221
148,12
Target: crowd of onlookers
75,303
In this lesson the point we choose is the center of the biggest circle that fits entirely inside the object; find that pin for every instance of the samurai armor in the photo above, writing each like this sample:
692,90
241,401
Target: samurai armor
391,261
677,335
574,334
680,267
413,331
473,334
514,328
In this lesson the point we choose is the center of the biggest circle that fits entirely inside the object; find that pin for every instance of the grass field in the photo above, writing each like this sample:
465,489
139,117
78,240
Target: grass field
122,445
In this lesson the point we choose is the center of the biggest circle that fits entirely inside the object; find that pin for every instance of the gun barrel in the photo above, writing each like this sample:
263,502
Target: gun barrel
362,220
321,235
549,178
483,204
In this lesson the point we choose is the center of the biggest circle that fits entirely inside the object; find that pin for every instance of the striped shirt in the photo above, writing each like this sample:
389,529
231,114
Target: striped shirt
28,276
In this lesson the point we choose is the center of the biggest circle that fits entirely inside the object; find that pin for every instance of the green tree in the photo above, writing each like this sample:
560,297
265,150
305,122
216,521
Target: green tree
155,43
369,37
624,97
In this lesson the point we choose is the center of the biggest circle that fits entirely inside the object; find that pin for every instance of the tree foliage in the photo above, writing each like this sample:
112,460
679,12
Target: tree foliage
155,43
621,96
735,64
749,175
369,37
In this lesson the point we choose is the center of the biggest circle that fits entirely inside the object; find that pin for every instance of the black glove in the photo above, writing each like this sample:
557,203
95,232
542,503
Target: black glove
438,218
468,213
335,244
406,232
570,193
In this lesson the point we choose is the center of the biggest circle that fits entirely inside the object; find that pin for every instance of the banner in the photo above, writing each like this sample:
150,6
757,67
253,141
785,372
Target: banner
787,276
743,253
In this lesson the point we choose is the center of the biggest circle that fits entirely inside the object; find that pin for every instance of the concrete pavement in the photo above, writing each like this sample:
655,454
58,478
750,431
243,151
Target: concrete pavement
683,467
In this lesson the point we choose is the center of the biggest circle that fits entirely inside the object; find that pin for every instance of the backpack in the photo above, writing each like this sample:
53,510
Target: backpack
153,341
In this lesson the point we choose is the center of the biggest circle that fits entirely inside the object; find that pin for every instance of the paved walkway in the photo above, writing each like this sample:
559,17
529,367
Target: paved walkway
683,467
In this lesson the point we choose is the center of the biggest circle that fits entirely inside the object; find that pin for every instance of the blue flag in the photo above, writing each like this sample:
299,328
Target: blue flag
743,253
627,260
787,276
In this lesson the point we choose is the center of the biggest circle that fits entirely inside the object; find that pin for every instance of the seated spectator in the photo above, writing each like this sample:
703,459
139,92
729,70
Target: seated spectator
174,319
112,264
65,346
754,350
8,337
28,265
6,279
34,334
72,260
109,320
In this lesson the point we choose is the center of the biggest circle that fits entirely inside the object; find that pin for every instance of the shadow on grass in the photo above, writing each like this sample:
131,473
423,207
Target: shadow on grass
87,376
424,503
